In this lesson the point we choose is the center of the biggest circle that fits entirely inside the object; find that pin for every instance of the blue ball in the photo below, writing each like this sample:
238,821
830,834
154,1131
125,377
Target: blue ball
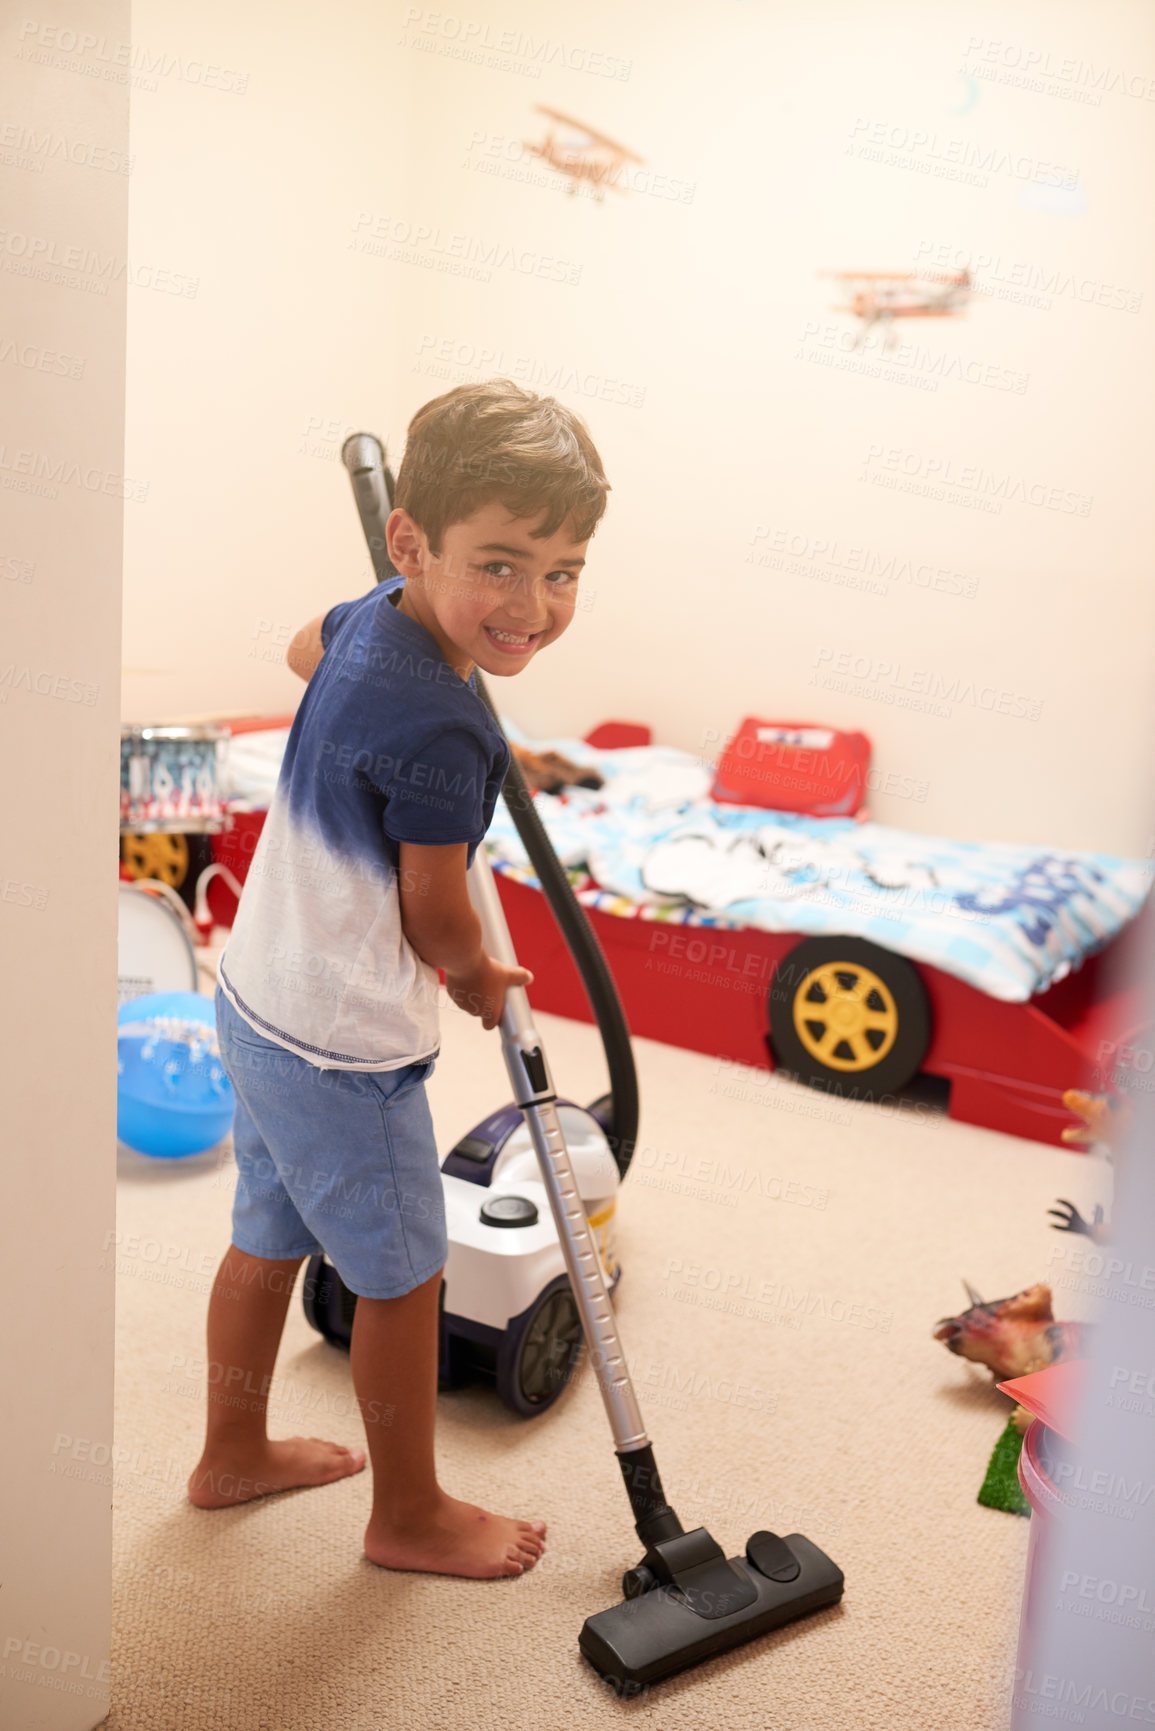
173,1097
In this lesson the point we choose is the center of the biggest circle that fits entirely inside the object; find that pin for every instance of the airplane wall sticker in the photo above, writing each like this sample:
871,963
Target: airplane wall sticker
879,297
582,153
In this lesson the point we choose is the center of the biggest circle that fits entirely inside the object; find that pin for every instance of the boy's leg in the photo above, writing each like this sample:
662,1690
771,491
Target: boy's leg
415,1524
247,1310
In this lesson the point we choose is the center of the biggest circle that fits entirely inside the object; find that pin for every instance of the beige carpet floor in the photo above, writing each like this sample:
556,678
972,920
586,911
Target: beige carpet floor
817,1402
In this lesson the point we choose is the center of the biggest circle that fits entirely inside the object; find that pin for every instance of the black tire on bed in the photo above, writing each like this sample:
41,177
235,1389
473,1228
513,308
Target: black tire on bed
848,1017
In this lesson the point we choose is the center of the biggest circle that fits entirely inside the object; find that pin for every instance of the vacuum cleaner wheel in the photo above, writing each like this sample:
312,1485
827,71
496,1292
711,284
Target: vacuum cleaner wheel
539,1350
533,1359
329,1305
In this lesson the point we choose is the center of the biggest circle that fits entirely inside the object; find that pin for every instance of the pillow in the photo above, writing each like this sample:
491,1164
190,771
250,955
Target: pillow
794,766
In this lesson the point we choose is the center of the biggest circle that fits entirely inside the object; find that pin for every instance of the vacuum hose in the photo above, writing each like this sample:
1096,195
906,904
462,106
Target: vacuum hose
364,456
586,952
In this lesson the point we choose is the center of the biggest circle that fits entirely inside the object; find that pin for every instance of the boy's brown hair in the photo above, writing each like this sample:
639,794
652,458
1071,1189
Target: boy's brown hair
495,441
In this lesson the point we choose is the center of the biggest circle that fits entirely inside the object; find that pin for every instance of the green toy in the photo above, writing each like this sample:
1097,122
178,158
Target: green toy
1001,1488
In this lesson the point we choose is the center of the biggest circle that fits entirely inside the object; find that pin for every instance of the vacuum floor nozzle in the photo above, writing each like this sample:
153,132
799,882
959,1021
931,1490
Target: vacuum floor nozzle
666,1628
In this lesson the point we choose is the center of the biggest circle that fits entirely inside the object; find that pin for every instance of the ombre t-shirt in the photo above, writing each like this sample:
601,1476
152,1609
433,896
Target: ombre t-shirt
389,744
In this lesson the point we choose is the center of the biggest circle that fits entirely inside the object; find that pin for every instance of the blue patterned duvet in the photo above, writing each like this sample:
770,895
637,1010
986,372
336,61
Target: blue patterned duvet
1007,918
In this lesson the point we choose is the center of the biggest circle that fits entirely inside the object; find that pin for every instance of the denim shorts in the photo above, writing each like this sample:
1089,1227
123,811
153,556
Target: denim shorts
342,1161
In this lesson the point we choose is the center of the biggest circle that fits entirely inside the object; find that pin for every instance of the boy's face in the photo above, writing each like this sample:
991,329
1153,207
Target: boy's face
494,597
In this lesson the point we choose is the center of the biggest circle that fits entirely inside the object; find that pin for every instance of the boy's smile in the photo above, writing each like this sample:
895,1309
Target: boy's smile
494,596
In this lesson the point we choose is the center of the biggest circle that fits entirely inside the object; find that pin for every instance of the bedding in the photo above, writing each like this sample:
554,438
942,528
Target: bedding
1009,919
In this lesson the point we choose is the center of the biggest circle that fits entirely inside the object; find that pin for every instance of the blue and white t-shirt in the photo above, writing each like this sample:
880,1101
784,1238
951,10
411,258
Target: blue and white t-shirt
389,744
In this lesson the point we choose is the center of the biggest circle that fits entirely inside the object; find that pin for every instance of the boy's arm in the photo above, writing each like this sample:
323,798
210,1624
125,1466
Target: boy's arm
306,649
441,924
437,915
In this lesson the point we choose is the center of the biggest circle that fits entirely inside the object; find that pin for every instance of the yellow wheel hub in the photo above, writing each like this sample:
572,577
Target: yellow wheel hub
156,856
845,1016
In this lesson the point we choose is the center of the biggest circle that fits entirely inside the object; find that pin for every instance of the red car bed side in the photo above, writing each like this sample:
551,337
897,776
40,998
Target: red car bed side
707,989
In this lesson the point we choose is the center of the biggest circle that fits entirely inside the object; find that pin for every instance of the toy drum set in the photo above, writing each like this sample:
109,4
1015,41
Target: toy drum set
170,779
170,803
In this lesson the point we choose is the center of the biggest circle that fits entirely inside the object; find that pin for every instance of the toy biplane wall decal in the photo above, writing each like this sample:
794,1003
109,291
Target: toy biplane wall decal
879,297
575,149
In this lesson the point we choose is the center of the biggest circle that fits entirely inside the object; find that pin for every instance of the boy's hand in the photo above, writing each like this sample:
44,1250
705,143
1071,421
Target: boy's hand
482,990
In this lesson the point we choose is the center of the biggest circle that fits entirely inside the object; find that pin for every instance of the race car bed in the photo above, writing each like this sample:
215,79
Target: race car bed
849,953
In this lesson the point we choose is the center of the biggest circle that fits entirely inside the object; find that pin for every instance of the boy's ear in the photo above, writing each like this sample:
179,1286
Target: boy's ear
406,542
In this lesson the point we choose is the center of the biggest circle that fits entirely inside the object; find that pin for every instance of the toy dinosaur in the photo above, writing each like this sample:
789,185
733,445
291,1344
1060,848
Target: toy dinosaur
1103,1118
1011,1336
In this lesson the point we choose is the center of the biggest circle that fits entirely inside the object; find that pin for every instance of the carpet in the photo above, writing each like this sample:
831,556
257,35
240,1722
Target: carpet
785,1257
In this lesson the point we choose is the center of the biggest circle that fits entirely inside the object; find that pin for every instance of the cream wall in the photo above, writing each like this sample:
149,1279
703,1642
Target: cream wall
63,266
700,343
264,344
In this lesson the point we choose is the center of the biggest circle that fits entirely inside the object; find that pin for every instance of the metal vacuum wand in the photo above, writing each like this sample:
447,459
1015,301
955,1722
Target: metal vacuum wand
685,1601
534,1093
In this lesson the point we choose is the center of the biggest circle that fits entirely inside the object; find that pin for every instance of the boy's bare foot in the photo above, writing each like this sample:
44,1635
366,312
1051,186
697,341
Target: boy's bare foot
456,1539
219,1483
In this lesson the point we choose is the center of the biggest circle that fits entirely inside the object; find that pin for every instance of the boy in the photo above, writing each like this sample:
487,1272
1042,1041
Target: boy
327,998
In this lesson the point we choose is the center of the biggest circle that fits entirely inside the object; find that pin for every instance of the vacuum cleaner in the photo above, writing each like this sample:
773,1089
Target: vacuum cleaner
685,1601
